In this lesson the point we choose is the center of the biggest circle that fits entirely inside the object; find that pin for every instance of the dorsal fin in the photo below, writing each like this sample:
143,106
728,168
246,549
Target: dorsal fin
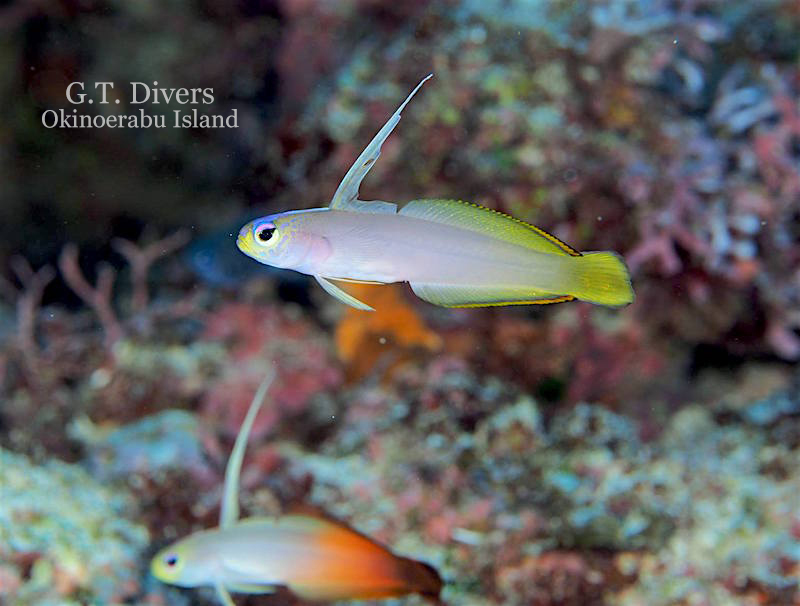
346,196
229,511
489,222
306,510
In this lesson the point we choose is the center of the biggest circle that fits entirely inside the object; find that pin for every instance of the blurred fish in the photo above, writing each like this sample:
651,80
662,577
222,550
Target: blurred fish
314,557
452,253
210,258
213,260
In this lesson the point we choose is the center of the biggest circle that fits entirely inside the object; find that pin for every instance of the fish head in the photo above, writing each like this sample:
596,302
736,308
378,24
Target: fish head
283,240
186,563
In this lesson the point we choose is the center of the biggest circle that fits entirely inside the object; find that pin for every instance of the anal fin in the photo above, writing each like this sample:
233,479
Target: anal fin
448,295
333,290
253,588
352,281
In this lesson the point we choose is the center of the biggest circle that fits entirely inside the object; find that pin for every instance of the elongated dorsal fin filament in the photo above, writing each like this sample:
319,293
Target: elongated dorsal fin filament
346,196
229,511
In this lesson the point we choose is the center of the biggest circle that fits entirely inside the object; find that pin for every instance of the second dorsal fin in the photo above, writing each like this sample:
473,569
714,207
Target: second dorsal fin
489,222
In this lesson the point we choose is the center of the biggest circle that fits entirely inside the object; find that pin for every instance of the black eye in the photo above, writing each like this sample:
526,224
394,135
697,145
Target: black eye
265,234
171,560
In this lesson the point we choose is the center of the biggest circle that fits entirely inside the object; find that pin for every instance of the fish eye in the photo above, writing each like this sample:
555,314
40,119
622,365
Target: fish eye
171,560
264,233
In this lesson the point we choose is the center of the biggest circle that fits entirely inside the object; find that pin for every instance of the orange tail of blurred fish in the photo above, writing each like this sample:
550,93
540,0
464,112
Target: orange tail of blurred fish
341,563
421,578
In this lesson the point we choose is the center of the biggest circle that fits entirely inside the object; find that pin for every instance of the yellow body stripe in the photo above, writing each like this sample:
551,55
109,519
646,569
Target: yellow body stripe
561,299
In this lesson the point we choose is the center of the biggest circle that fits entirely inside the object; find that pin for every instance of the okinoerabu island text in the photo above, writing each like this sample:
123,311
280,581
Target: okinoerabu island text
137,93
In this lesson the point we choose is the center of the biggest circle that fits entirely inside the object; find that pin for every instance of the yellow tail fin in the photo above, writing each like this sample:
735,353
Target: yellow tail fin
602,278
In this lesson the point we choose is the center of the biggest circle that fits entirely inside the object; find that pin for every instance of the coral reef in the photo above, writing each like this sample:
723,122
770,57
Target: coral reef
65,537
581,513
254,338
556,128
170,439
559,455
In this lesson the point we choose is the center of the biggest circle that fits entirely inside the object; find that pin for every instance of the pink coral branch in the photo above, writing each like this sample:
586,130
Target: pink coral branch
781,336
28,302
141,258
658,247
98,298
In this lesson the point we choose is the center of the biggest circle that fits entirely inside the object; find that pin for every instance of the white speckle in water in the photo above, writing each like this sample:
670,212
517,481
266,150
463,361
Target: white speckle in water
99,378
599,217
477,34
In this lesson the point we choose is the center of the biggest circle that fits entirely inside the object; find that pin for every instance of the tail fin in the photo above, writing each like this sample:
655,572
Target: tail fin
602,278
421,578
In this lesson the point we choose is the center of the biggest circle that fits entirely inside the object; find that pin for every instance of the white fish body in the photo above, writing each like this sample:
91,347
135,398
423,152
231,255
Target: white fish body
401,248
452,253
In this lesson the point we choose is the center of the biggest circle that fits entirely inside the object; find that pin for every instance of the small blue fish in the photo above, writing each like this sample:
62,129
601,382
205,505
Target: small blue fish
213,260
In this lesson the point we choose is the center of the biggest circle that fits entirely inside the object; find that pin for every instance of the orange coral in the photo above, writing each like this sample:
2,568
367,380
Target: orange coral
388,334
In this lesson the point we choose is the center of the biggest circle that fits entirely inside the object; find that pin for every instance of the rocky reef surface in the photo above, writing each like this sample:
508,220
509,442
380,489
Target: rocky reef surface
515,500
568,455
65,538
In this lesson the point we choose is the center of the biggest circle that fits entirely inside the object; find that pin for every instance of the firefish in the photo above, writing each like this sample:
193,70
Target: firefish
315,557
452,253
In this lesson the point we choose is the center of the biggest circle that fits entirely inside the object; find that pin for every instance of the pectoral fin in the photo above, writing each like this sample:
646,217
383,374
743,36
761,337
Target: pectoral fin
337,292
224,596
346,196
